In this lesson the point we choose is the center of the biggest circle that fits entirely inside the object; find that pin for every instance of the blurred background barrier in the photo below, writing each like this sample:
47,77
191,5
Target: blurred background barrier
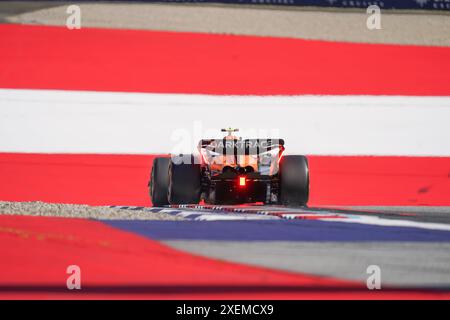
383,4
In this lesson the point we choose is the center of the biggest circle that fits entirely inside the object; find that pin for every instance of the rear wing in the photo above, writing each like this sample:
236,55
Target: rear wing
241,146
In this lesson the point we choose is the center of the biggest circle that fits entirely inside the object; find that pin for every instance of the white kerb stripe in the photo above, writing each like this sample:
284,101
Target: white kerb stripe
106,122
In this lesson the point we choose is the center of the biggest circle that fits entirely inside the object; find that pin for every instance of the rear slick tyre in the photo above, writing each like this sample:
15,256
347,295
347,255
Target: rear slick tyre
294,180
159,182
184,182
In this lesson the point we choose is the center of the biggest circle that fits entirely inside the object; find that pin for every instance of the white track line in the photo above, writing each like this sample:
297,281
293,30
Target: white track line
378,221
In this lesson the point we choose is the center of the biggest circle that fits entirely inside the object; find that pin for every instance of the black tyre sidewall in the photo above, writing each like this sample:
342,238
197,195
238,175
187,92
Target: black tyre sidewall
294,180
159,181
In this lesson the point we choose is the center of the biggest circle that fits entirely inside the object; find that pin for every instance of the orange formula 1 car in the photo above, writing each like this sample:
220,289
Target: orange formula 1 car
231,171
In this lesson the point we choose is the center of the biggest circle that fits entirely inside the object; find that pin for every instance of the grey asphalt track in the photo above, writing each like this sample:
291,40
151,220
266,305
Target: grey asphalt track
405,264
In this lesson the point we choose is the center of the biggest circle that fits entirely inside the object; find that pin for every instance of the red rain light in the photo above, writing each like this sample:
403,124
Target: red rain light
242,181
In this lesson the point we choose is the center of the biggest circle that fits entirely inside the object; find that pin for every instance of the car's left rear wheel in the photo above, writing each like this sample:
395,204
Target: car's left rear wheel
159,181
184,181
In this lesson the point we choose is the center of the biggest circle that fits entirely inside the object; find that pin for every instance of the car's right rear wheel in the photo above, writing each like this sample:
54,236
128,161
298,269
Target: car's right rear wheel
294,180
